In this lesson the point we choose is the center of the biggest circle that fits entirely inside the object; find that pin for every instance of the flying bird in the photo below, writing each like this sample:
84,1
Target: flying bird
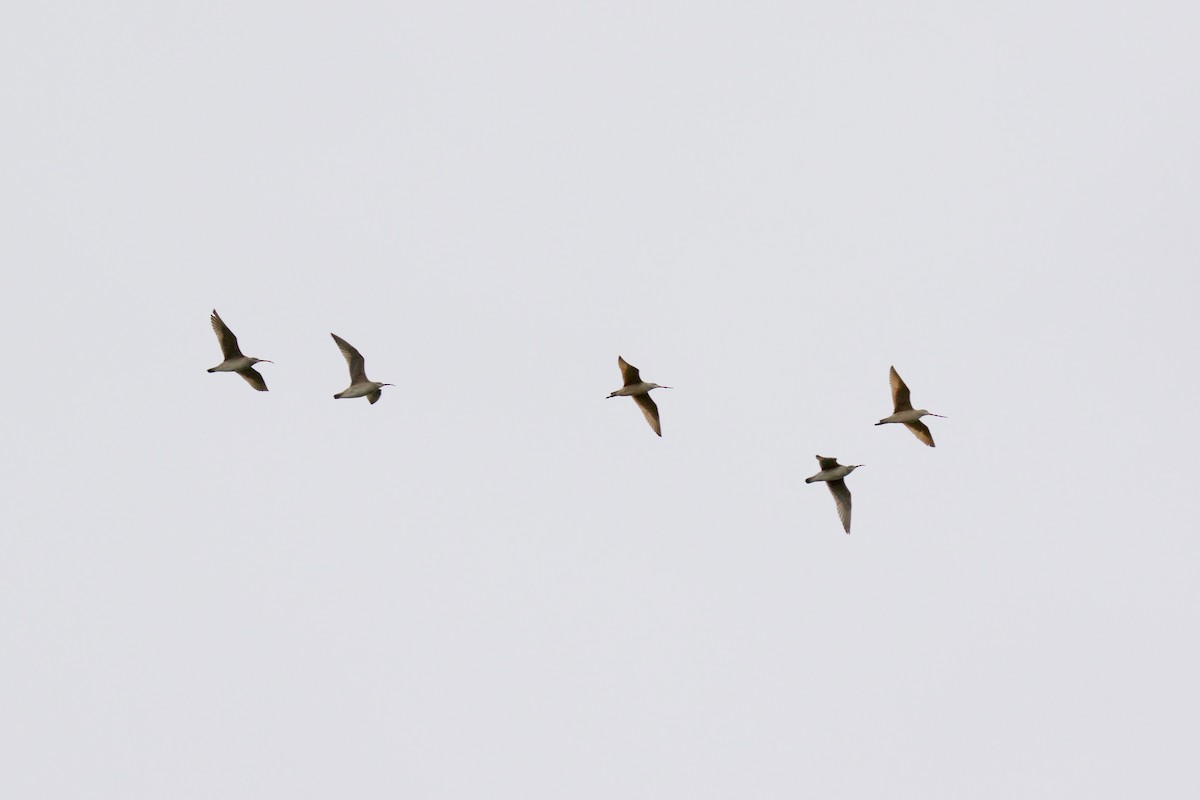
639,390
234,360
905,413
360,385
833,473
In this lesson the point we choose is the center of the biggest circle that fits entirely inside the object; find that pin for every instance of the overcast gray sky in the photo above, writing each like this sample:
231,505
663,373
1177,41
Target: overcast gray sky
497,583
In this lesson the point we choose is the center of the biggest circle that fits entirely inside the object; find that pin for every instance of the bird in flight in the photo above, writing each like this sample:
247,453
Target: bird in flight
360,385
639,390
905,413
234,360
834,474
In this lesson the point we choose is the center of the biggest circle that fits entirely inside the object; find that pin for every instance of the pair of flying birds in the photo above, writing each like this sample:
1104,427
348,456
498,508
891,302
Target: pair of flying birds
360,385
832,473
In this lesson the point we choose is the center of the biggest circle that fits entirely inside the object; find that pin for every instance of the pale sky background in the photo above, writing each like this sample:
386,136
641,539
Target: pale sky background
497,583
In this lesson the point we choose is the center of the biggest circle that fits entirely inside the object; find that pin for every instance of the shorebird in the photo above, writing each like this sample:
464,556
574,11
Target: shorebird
359,386
833,473
639,390
234,360
905,413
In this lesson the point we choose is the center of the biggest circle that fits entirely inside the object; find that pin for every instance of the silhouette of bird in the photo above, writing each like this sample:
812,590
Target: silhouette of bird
833,474
234,360
639,390
360,385
905,413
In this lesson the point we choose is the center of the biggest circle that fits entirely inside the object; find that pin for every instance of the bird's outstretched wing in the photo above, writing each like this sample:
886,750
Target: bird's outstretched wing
841,496
225,337
900,395
354,360
374,396
649,410
826,462
253,378
921,431
629,373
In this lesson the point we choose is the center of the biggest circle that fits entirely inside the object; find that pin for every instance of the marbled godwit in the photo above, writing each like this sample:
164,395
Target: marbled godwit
234,360
639,390
359,386
905,413
833,473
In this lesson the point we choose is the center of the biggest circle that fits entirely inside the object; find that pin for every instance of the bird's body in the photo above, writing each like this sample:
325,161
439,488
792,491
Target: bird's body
360,385
234,360
641,387
359,390
905,414
639,390
832,474
235,364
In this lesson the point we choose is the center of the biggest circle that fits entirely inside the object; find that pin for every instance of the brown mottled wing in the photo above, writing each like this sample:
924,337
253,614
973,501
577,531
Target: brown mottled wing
921,431
253,378
826,462
225,337
374,396
841,496
354,360
629,374
900,398
649,409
